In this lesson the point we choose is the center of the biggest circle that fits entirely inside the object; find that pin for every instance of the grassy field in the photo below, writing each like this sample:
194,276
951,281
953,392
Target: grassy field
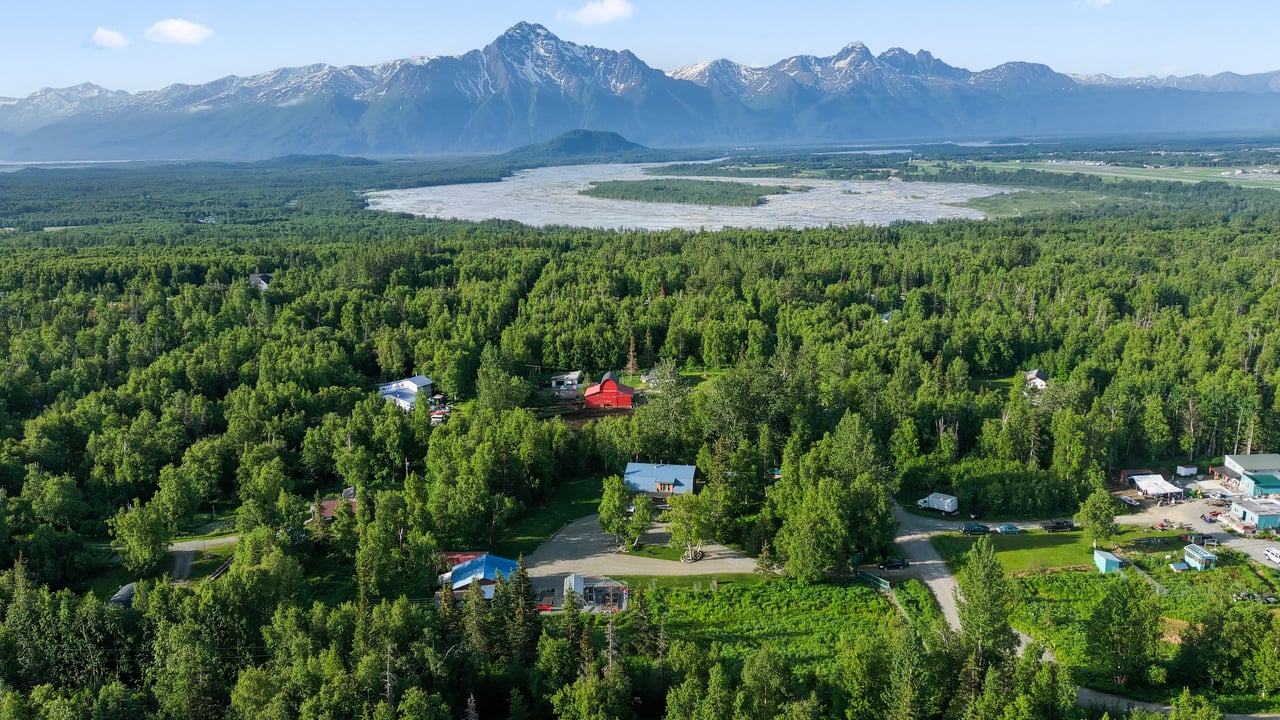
568,502
1178,174
1037,550
998,385
105,583
1037,201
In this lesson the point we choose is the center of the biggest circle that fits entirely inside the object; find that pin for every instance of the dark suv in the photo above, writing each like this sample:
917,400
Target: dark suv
974,529
894,564
1058,526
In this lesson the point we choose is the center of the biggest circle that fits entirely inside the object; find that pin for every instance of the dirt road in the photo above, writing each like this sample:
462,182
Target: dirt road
926,564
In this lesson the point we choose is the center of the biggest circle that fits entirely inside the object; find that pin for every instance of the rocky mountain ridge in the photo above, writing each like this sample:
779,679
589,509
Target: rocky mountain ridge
529,85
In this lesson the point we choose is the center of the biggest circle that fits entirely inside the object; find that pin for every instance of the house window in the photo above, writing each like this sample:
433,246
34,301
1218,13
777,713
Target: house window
666,487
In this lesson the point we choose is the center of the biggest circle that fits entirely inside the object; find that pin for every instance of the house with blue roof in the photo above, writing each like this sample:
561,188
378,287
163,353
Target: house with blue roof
487,570
660,481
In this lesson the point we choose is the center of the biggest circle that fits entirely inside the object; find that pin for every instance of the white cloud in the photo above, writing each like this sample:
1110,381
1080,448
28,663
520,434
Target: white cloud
1097,3
600,12
108,39
175,31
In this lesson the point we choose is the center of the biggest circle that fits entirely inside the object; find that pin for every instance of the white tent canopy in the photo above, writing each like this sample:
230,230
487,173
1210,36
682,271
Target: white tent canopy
1153,485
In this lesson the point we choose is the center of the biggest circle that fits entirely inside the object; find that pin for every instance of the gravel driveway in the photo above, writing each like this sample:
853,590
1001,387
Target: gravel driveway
1190,512
926,564
581,547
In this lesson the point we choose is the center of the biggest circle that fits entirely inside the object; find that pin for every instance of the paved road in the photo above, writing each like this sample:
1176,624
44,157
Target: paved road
581,547
190,545
182,560
184,553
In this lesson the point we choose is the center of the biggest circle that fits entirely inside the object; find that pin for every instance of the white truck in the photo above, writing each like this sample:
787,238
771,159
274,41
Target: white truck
943,503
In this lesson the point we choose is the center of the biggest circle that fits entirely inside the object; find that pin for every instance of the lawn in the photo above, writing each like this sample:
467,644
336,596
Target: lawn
661,552
111,578
568,502
997,385
1036,550
209,560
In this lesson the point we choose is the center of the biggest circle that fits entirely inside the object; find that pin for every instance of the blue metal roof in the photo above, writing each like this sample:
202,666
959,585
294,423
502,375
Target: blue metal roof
645,477
485,567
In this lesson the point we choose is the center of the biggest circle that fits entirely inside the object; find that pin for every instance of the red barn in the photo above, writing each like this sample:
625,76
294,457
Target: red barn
609,393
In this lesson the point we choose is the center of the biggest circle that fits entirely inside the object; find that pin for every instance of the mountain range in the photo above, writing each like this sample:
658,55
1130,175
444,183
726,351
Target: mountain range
528,86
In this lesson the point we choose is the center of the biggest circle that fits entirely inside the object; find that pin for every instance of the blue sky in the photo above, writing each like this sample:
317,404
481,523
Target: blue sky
147,44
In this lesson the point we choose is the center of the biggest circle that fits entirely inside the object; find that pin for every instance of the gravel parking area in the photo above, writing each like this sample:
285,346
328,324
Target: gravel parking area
582,548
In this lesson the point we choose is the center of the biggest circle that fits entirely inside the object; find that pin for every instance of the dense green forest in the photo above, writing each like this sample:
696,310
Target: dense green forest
145,383
689,192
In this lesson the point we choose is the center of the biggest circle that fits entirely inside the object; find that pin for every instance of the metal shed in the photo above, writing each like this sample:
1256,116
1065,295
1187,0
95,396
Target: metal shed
1106,562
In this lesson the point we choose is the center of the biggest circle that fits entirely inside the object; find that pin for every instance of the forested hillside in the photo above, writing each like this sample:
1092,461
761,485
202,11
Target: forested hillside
144,383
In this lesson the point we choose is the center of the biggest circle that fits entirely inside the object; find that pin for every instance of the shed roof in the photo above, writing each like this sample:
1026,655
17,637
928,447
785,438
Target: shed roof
1108,556
645,477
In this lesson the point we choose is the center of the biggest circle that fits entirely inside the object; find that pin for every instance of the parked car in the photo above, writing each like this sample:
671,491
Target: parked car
1008,529
1199,539
1058,526
1132,501
894,564
974,529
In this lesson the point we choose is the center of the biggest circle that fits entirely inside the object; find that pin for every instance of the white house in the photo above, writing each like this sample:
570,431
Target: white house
566,382
1037,379
405,392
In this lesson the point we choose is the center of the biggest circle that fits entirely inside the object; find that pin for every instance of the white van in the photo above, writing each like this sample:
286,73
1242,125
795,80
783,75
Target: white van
1272,554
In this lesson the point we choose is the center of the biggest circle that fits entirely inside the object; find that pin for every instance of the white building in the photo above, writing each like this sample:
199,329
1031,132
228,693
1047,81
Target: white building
1037,379
405,392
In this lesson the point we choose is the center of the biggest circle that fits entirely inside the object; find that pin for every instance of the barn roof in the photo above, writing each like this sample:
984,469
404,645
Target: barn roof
598,387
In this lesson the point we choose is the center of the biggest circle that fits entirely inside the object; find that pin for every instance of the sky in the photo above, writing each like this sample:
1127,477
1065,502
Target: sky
148,44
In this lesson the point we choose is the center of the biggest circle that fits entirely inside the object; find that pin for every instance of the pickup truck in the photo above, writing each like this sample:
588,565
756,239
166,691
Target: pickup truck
1058,526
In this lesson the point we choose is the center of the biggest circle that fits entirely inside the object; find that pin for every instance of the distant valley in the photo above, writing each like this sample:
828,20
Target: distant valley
528,86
